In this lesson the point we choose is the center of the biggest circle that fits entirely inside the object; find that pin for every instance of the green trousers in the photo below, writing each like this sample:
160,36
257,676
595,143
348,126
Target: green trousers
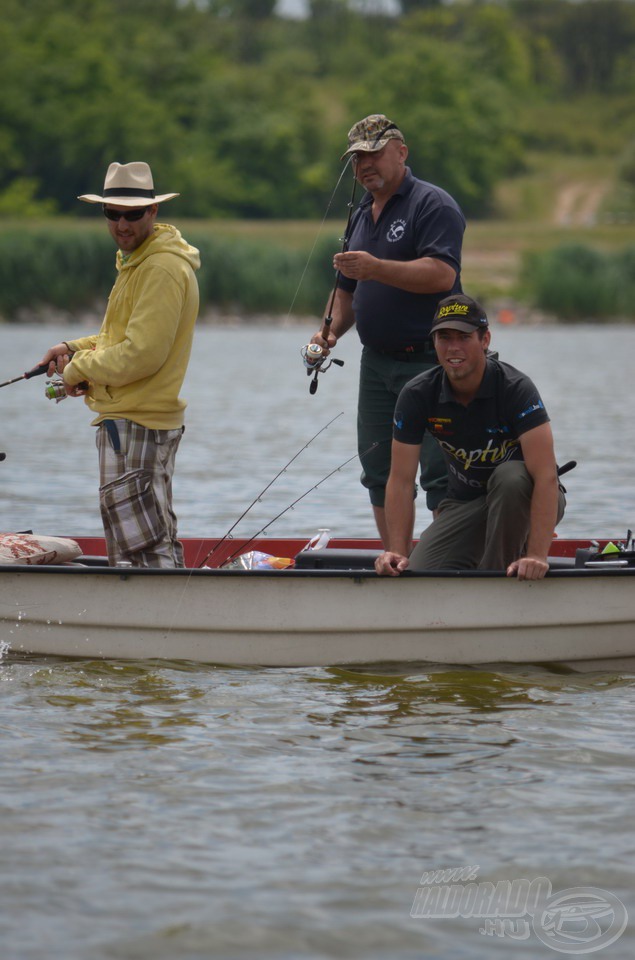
381,380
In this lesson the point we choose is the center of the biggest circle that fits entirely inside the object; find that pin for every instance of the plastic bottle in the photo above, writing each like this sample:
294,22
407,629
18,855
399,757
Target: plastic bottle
320,540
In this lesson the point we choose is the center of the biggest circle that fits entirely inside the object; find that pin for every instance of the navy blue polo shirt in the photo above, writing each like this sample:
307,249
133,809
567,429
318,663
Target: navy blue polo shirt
419,220
477,438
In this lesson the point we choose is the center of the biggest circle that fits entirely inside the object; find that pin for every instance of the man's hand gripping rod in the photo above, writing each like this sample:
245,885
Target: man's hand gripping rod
315,356
55,389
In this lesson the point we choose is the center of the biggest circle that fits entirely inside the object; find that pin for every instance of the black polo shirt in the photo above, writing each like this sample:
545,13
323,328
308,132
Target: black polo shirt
419,220
477,438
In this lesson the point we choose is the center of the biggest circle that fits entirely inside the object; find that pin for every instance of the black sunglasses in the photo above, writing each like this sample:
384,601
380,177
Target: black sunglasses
130,215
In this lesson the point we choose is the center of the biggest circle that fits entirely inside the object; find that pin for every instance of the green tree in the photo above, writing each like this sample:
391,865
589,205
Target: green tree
458,121
593,39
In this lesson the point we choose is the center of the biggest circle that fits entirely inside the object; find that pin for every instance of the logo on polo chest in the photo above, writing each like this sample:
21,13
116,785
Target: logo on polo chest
440,426
396,231
488,456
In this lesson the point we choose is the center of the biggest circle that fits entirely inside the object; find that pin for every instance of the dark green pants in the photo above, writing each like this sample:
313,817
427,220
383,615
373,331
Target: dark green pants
380,382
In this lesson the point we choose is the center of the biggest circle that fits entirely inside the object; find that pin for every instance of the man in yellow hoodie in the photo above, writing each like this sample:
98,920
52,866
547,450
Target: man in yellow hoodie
131,372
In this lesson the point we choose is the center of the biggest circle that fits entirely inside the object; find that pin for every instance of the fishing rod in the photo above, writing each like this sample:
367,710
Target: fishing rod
297,500
315,241
35,372
54,390
315,356
227,536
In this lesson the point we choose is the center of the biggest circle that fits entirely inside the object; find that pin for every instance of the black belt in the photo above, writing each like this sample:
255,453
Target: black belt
113,433
413,354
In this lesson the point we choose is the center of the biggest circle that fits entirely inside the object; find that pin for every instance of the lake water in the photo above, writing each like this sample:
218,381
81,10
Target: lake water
167,810
250,412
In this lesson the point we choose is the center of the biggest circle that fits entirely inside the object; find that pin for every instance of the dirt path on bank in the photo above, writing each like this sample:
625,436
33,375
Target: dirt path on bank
578,203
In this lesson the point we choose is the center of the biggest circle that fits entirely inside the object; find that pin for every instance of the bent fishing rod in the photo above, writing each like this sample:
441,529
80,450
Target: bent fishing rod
296,501
257,499
315,356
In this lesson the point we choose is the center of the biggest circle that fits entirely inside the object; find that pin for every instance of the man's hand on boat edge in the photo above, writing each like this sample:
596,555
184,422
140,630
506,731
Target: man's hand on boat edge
528,568
390,564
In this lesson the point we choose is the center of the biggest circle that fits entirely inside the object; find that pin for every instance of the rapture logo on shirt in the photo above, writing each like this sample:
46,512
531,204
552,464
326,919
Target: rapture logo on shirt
493,453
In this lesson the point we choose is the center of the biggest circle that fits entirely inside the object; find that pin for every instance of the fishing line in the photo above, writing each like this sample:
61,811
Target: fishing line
282,512
297,500
227,536
317,235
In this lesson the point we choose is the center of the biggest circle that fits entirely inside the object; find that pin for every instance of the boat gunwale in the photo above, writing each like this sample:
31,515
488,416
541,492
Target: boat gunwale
78,569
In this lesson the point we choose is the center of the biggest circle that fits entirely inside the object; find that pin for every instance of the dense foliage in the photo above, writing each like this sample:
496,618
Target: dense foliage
575,282
245,112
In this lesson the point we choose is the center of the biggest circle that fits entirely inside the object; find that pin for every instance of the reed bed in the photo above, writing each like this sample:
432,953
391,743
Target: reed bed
72,269
285,268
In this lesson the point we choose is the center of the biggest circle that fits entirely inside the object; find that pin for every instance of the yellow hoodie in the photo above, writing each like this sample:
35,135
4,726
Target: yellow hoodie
136,364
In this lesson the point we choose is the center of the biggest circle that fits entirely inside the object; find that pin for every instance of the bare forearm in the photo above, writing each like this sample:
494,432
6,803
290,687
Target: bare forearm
342,315
543,517
425,275
399,516
540,461
416,276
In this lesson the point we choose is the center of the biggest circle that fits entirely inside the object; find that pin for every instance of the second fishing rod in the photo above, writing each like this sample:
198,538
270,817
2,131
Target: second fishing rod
316,358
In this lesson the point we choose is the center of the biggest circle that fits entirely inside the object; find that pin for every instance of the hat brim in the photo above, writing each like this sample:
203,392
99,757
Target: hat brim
364,146
128,201
462,325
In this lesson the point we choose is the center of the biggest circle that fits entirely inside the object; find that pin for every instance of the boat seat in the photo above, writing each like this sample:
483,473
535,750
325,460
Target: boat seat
336,558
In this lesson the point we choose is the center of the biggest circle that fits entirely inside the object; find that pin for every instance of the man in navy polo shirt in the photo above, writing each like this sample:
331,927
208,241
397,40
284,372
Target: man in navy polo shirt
488,419
402,256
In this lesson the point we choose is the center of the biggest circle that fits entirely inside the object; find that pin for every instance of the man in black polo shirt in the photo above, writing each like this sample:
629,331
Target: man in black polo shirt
504,499
402,256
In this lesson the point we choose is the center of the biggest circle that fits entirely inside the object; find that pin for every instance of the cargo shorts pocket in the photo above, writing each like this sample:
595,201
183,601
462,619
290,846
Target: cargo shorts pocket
130,509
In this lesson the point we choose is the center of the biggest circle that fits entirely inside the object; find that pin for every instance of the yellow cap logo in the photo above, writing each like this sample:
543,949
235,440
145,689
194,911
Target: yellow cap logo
453,310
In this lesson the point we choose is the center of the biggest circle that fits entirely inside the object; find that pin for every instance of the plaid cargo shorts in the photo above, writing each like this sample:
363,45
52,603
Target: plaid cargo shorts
136,466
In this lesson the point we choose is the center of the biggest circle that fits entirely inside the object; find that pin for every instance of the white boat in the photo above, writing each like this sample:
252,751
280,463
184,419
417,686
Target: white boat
325,611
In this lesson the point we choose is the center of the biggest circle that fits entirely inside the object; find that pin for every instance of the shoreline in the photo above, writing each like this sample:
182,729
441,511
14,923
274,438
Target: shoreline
501,312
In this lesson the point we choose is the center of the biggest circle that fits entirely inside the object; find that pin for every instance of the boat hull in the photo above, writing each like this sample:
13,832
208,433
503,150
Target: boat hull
305,618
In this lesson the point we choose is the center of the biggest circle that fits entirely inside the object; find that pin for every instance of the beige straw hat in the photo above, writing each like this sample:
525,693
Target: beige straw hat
128,185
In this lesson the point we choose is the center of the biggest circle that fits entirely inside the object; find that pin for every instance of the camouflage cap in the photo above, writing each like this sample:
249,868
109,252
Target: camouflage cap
371,134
